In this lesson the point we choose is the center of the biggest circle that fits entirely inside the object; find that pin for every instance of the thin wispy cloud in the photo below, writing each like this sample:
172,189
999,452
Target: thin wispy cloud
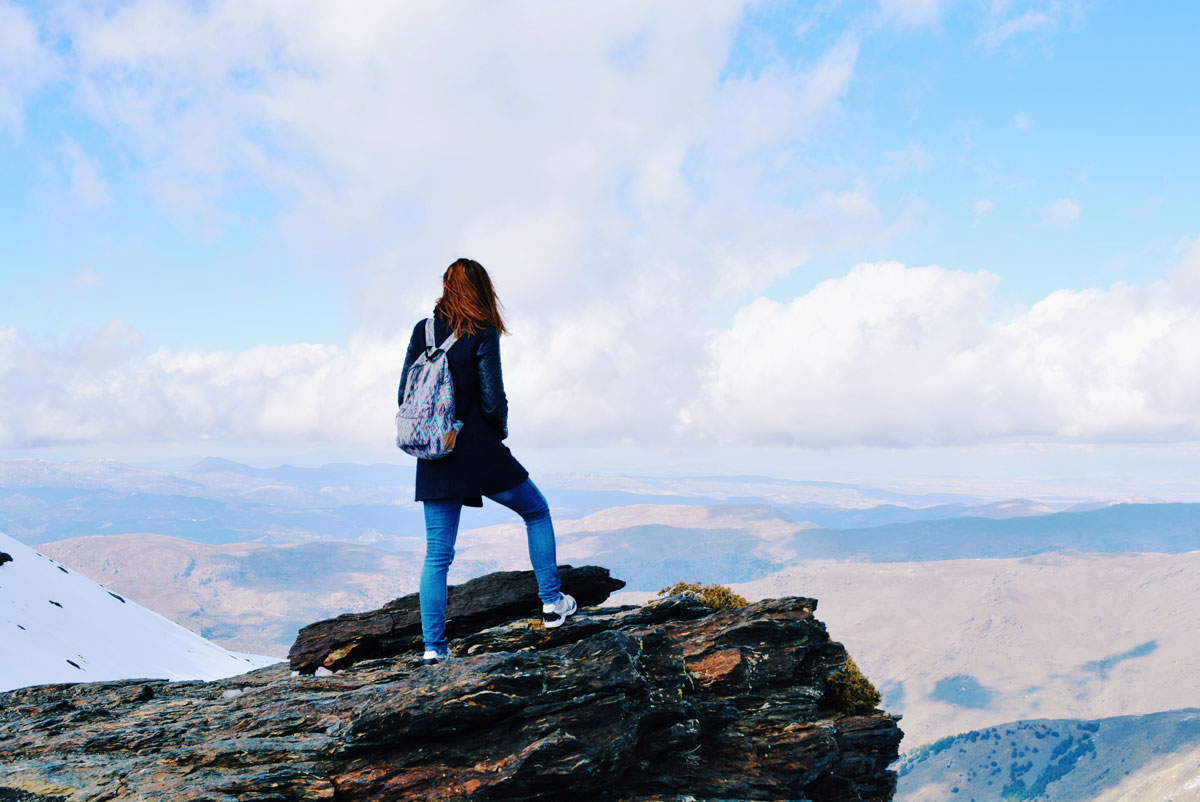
913,12
981,209
87,279
25,65
86,185
912,158
1011,19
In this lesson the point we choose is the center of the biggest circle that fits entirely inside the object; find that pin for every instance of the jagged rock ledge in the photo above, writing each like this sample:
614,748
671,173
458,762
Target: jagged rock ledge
478,604
625,704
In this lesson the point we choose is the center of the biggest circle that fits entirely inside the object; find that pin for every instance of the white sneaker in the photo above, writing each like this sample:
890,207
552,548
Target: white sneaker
554,614
432,658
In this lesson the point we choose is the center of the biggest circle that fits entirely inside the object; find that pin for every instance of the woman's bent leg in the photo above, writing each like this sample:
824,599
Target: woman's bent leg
528,502
441,530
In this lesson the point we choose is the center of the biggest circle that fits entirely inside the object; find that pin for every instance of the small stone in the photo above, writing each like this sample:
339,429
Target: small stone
143,694
322,671
231,693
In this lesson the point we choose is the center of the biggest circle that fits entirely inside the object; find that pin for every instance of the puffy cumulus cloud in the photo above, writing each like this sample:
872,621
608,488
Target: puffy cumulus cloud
885,355
101,386
897,356
621,187
597,159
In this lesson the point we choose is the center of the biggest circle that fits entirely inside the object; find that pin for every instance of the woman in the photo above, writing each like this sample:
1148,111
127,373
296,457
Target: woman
479,464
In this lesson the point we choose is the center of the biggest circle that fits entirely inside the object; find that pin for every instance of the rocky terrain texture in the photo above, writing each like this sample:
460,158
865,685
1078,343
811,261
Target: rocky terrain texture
665,701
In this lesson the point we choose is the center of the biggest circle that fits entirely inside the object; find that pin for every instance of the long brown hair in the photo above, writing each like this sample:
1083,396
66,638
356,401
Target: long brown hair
468,303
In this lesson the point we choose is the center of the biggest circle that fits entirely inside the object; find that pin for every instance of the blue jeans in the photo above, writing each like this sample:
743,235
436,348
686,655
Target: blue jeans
441,530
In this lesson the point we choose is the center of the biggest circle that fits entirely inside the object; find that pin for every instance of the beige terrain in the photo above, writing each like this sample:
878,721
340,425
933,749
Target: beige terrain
248,597
1175,778
964,644
766,530
253,597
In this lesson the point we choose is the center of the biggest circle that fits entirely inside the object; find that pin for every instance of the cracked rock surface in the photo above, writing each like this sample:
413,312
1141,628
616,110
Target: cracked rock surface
667,701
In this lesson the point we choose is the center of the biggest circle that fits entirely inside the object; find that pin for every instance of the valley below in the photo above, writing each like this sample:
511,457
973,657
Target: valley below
967,614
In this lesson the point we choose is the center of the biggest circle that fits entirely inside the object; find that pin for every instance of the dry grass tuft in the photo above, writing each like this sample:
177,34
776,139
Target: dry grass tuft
717,597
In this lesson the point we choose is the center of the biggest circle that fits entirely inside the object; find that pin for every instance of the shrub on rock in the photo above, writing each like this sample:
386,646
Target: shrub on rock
850,692
717,597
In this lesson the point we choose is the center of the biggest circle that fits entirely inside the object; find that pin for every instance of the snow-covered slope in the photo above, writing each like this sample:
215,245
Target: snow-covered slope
59,626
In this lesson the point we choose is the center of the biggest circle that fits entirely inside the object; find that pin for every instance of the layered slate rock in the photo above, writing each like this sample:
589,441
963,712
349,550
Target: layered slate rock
395,628
660,702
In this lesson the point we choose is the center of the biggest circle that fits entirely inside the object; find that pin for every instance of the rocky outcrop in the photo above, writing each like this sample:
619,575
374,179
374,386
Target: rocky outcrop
395,628
660,702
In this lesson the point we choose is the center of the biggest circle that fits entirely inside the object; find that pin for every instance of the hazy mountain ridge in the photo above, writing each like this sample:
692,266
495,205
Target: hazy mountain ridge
218,500
1171,528
1147,758
247,596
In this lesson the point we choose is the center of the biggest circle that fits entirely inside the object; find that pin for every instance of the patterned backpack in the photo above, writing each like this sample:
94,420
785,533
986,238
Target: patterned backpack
425,424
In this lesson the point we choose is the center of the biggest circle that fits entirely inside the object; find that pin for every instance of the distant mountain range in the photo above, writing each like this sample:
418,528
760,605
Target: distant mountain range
60,626
1045,625
1148,758
954,645
217,501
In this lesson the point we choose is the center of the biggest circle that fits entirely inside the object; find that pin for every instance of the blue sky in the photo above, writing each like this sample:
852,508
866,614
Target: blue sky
931,123
195,193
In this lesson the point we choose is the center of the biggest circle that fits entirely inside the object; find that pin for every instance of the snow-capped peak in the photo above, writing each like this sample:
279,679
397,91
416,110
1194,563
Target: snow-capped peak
57,625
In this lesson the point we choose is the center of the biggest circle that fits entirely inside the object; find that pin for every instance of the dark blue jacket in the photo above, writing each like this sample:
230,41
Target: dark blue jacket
480,463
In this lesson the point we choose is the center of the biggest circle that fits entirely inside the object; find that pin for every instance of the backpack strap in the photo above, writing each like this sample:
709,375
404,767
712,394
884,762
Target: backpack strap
432,350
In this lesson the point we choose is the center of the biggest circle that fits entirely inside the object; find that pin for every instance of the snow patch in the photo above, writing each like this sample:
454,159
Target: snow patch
59,626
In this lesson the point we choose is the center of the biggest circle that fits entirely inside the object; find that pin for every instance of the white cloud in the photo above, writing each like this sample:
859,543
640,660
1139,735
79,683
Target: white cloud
591,156
1012,18
87,279
619,191
912,158
896,356
885,355
87,187
25,65
1022,122
1062,212
554,144
101,387
982,207
913,12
